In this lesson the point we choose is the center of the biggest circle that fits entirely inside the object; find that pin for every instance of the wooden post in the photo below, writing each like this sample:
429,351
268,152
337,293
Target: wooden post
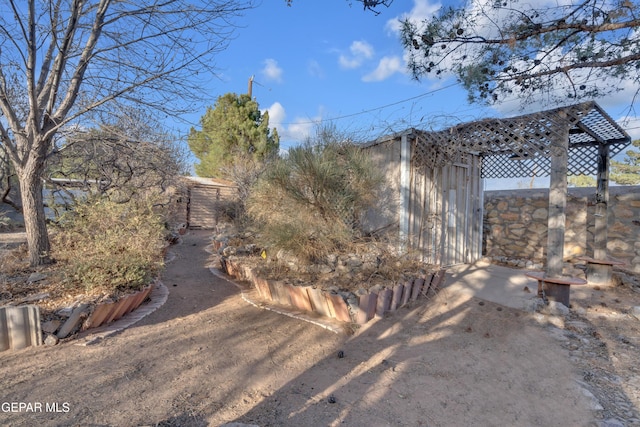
559,151
602,202
601,273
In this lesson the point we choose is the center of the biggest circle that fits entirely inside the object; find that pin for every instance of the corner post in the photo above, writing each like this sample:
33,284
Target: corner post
405,184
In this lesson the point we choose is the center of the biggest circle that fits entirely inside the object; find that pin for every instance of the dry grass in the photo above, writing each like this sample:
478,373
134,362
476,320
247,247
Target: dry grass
308,203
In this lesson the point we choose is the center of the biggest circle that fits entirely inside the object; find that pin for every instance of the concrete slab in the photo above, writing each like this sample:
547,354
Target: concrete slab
502,285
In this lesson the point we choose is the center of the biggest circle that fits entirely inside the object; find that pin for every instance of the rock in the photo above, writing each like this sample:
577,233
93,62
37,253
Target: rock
332,259
594,403
65,312
354,262
532,305
36,297
238,425
340,268
36,277
369,266
229,250
577,326
51,340
320,269
73,321
580,311
611,422
51,326
635,312
556,308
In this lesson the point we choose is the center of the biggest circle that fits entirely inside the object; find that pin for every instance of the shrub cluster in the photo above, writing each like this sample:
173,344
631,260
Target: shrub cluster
108,246
310,201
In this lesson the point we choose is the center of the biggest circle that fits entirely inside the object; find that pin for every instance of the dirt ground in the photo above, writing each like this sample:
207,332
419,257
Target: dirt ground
206,358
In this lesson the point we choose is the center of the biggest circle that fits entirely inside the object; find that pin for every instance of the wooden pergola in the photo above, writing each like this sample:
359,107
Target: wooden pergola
573,140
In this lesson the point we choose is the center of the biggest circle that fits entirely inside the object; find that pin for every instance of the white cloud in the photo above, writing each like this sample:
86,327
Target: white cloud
387,66
276,115
301,129
422,9
296,131
272,71
315,69
360,51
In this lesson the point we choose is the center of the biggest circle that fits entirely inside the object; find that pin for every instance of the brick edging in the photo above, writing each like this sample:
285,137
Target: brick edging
341,306
157,297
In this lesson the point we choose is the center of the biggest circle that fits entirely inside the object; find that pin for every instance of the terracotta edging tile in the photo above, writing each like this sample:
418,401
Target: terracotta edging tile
417,287
262,285
279,292
407,292
338,306
333,304
299,298
366,307
319,302
396,301
384,302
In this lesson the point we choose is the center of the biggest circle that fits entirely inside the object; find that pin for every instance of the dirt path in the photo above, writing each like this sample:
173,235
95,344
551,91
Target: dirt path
206,357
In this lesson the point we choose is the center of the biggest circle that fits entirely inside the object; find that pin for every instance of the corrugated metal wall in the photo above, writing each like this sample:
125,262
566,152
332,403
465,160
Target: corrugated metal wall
19,327
445,205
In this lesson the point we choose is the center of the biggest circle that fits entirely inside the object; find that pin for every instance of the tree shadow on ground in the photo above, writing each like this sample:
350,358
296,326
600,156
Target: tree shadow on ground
453,361
184,420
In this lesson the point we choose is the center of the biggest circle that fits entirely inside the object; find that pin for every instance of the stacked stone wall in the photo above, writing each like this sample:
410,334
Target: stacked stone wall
515,224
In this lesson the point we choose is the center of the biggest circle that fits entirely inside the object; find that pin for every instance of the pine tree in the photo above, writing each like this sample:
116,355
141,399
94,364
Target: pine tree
627,172
233,129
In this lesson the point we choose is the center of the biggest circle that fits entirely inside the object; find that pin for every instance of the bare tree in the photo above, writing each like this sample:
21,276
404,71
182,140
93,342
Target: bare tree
60,60
132,156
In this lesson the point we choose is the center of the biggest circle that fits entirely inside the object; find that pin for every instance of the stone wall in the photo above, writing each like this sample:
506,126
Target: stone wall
515,224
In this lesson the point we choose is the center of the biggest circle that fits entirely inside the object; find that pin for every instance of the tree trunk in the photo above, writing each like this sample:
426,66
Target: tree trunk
34,219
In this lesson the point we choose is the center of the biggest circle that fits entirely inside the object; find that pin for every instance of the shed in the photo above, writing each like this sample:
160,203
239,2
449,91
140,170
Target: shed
205,198
434,185
437,209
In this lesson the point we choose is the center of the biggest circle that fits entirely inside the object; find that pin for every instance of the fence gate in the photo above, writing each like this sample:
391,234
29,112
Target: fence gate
445,222
201,210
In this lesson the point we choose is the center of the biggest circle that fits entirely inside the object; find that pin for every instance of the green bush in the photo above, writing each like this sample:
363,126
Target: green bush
310,201
109,247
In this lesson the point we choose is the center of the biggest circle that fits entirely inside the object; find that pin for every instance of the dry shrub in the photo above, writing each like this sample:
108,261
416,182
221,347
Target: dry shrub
110,246
310,202
14,260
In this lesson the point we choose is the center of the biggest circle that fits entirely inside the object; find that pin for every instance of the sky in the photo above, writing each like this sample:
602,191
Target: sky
329,62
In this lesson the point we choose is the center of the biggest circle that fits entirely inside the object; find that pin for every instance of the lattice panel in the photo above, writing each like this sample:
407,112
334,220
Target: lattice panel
521,146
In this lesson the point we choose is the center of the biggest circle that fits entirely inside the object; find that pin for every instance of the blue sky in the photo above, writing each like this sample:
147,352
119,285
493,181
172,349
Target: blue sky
326,61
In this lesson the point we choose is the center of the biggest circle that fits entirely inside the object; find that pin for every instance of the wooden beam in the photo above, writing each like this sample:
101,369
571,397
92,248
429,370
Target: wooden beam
559,152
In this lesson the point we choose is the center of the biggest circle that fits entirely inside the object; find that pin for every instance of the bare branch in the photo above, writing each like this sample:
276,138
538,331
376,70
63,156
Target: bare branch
496,47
